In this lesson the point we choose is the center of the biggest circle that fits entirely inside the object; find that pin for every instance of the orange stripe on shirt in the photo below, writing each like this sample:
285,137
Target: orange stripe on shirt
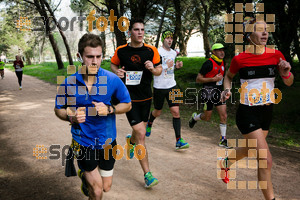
156,57
115,59
141,100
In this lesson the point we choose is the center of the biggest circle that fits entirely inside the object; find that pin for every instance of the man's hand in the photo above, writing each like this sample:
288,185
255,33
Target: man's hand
79,116
170,63
120,72
225,95
149,65
179,64
101,108
218,77
284,67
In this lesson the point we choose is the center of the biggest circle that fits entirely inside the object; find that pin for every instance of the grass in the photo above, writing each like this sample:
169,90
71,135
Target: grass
286,118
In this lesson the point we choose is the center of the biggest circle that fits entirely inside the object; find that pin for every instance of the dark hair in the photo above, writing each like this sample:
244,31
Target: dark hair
133,21
89,40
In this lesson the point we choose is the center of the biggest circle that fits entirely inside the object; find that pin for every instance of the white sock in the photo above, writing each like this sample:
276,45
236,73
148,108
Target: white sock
223,130
198,117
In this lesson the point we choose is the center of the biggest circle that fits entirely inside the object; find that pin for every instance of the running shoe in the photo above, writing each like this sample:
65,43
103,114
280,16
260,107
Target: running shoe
20,88
192,122
148,130
223,143
150,181
225,168
181,144
130,149
84,186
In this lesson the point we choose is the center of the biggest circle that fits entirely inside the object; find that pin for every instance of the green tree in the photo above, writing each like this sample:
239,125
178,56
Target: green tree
287,25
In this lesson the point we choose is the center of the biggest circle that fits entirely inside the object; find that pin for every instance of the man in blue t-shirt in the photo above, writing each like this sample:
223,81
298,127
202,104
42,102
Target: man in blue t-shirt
84,99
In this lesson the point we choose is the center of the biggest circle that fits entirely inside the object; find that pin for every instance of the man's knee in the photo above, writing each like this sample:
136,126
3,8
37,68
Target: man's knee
140,132
223,117
175,113
207,117
156,113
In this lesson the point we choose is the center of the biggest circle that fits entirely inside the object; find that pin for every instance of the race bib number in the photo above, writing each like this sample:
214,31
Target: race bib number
18,67
169,72
259,100
220,82
133,77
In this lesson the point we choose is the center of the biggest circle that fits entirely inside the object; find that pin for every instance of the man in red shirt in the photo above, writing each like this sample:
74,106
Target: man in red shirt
211,75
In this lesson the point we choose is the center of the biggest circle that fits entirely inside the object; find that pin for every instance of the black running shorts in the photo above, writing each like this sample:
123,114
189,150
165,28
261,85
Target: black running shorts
89,159
139,112
211,97
251,118
159,96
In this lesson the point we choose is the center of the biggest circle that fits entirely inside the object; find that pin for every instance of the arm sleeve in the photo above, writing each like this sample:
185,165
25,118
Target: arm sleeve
206,67
279,55
234,66
121,92
22,65
156,57
115,59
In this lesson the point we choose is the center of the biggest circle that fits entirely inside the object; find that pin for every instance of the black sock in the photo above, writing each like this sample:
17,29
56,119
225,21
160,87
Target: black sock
151,119
177,127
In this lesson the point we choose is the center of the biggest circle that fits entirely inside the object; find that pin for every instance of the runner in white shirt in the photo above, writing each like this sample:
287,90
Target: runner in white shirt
163,85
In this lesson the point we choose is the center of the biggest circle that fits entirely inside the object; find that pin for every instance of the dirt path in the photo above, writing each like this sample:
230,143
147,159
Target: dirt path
27,119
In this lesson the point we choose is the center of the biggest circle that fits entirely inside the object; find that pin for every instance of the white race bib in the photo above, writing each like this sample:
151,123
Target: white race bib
18,67
169,72
133,77
220,82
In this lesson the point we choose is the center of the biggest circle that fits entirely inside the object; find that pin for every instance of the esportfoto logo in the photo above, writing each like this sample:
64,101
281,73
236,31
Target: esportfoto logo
40,23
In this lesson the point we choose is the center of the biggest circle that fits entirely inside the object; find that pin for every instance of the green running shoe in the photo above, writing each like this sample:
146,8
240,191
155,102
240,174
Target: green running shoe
130,149
181,144
148,130
150,181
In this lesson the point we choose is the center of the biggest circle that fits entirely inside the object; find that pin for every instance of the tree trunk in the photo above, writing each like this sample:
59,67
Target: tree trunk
60,64
28,60
206,42
160,25
113,40
61,33
120,36
138,8
177,22
42,10
103,38
41,57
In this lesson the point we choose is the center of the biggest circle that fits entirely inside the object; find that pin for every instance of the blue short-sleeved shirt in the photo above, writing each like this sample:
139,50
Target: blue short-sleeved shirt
73,93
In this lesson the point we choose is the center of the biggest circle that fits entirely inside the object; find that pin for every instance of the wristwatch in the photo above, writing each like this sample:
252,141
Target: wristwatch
109,110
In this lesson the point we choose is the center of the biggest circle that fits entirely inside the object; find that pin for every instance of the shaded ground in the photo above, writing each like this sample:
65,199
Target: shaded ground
27,119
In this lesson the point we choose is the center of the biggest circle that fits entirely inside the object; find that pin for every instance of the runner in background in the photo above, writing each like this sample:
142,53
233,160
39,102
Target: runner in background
163,85
2,68
18,65
138,63
211,75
